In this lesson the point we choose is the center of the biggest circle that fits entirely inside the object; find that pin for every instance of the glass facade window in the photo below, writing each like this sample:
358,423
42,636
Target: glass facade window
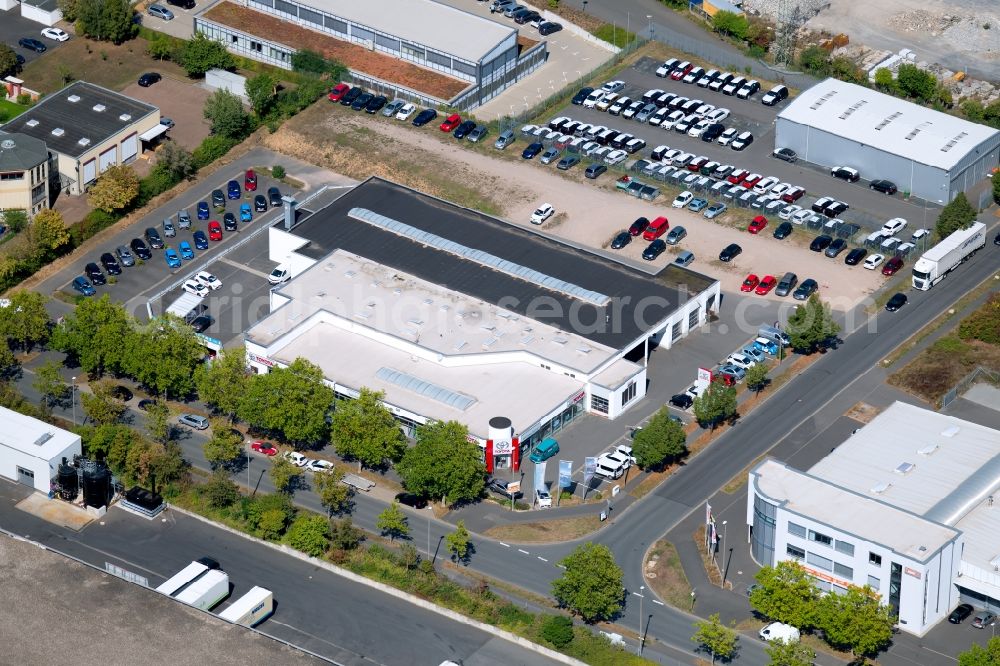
818,537
762,533
844,547
875,558
797,530
466,68
599,404
694,317
628,394
389,43
874,583
286,7
824,563
439,59
845,571
411,51
335,25
895,583
12,175
676,331
310,16
795,551
362,34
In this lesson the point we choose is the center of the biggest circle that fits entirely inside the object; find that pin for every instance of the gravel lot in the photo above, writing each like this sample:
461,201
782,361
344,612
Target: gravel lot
181,101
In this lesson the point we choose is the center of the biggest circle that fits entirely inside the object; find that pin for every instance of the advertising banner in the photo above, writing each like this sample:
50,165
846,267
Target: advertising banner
540,475
565,473
589,468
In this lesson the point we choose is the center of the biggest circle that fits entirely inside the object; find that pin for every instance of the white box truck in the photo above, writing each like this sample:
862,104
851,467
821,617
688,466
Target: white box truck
207,591
182,579
250,609
947,255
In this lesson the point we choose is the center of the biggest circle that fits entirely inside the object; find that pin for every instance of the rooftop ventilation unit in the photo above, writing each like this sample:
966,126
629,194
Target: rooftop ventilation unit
32,123
916,130
362,315
428,301
888,120
527,340
44,437
73,98
822,100
560,341
583,350
928,450
100,108
415,322
125,117
349,274
425,388
953,142
460,345
84,141
904,468
950,431
880,488
59,131
854,107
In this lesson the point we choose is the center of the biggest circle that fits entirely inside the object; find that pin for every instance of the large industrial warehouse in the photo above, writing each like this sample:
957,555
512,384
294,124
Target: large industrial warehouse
931,155
905,505
456,315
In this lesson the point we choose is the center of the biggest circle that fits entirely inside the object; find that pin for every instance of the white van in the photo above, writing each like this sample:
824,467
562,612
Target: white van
778,631
774,335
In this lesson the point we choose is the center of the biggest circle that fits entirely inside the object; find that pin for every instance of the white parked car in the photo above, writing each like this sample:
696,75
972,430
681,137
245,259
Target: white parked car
873,261
800,216
280,274
779,189
593,98
764,185
788,211
319,465
671,120
616,157
893,226
727,137
196,288
683,199
613,86
405,112
699,128
740,360
207,279
625,451
718,115
296,458
542,213
543,498
55,33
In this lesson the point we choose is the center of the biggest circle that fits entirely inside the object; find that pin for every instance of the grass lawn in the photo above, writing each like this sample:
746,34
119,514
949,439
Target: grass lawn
541,532
102,63
10,110
666,576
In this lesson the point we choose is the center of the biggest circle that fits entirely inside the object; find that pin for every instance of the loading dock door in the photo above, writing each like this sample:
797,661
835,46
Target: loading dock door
130,148
26,477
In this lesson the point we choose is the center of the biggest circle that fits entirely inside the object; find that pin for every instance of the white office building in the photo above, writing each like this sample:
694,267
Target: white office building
31,450
905,505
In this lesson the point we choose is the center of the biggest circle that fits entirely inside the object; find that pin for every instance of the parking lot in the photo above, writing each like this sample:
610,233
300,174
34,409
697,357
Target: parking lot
13,27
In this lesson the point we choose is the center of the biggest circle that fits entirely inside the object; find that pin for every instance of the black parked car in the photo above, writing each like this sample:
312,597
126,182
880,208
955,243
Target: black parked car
549,28
621,240
409,499
713,132
218,199
199,324
583,94
897,301
200,240
681,400
784,230
820,243
596,169
260,204
111,265
730,252
855,256
153,238
140,249
149,78
376,104
351,95
424,117
361,101
274,196
960,613
32,44
464,128
531,152
122,393
229,222
94,274
805,290
655,249
836,209
883,186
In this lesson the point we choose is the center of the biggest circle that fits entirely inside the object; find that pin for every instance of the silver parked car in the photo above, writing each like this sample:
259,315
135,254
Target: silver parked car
193,421
125,256
168,228
392,108
684,259
716,209
183,219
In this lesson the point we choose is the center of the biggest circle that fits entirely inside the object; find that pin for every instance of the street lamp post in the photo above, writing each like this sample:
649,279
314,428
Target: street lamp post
584,6
649,17
641,589
248,469
73,399
724,567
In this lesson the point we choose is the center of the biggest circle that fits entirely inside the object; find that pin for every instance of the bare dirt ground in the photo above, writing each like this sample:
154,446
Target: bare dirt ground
960,34
593,214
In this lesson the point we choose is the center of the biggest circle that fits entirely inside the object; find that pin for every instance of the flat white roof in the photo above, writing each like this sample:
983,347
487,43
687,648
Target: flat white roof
888,123
470,393
414,312
34,437
439,26
865,517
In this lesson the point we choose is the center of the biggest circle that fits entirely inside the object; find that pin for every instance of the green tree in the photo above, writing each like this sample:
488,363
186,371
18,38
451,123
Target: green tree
957,214
973,109
915,82
716,405
222,383
293,402
443,463
106,20
225,446
95,335
659,441
995,180
100,404
47,233
393,522
283,473
16,219
458,543
591,583
365,430
789,654
757,378
718,639
224,111
8,61
110,443
160,47
558,630
276,509
10,367
163,355
116,189
261,91
786,593
884,80
49,383
310,534
344,535
174,162
69,9
201,54
333,495
857,620
978,655
158,422
810,325
730,23
25,322
814,59
220,490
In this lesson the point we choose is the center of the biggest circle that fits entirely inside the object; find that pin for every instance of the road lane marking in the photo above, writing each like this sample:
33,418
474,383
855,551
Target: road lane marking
243,267
521,550
638,595
541,558
503,544
658,603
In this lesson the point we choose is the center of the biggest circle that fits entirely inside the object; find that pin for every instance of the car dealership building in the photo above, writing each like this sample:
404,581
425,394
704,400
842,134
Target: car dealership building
456,315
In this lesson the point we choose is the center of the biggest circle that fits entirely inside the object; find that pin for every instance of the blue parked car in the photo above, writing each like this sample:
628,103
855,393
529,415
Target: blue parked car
172,259
82,285
200,240
245,213
203,210
186,251
233,190
531,152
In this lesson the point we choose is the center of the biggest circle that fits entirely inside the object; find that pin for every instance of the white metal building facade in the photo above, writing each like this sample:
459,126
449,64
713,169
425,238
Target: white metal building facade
905,505
31,450
930,154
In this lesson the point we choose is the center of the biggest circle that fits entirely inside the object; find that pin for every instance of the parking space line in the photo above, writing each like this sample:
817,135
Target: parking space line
243,267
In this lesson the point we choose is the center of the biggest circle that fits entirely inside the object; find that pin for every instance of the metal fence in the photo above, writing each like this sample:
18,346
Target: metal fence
980,374
528,62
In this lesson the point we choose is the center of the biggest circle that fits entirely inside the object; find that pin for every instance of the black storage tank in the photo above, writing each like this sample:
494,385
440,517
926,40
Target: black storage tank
96,486
69,483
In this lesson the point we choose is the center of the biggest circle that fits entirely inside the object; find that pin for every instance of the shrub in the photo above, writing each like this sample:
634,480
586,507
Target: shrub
211,149
557,630
983,324
278,171
24,99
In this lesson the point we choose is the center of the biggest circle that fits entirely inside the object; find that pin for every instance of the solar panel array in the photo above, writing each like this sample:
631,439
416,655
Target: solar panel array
425,388
479,256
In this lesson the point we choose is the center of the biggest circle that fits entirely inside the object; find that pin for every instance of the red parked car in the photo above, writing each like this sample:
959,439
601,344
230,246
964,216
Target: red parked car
757,224
451,122
264,447
765,286
214,230
250,181
750,283
638,226
751,180
737,176
681,71
892,266
656,228
338,92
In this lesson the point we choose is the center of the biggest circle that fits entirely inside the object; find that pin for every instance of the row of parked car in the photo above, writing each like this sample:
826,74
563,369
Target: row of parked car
727,83
524,16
